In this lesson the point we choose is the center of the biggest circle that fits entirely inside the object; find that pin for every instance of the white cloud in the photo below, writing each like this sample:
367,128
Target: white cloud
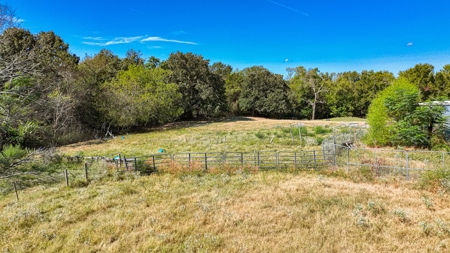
167,40
410,44
94,38
118,40
19,20
155,47
286,60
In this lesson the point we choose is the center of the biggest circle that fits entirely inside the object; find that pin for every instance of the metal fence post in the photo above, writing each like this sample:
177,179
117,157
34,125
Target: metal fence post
295,159
258,160
407,165
348,159
334,150
189,160
276,159
314,155
206,162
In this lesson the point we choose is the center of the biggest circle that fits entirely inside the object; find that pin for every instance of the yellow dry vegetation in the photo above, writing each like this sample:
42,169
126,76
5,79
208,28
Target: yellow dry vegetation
227,134
272,211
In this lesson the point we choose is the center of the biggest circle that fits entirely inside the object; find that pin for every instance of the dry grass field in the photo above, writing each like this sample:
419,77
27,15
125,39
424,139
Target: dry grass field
227,209
241,134
271,211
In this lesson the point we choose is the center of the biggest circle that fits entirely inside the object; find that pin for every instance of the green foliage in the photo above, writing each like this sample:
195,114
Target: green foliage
264,94
141,97
9,156
203,92
378,117
415,125
422,76
322,130
436,180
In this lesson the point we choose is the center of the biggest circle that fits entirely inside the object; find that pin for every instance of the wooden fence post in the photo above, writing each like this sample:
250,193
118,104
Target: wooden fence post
135,164
206,162
86,172
242,159
15,189
154,164
120,160
66,175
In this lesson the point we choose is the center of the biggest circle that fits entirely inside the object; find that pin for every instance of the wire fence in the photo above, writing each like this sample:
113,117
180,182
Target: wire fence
389,162
338,151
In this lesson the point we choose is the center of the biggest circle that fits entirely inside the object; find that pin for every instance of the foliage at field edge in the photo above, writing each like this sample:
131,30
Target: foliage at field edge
50,97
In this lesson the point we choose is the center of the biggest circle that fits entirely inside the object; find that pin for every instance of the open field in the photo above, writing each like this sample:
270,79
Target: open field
243,134
239,212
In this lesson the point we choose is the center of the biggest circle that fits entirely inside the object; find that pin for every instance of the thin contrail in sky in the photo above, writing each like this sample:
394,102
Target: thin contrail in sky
287,7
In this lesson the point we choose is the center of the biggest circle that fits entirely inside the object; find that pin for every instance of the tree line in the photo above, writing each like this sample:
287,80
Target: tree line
51,97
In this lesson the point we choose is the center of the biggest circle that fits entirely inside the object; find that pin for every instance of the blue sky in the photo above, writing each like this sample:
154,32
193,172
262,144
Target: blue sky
334,36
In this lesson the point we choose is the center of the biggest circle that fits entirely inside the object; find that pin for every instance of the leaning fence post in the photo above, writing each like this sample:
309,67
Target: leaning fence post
86,172
407,165
120,160
66,175
15,189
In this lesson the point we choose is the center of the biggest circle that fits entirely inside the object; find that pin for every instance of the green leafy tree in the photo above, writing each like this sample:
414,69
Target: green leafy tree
442,82
352,92
33,67
264,94
308,89
203,91
415,124
395,117
421,75
141,97
233,88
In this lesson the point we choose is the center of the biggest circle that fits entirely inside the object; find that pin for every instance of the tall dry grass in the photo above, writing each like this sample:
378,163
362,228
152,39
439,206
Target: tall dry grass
239,211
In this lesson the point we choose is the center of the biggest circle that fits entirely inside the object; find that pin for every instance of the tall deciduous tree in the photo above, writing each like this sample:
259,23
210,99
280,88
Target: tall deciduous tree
421,75
307,87
8,17
141,97
264,94
203,91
